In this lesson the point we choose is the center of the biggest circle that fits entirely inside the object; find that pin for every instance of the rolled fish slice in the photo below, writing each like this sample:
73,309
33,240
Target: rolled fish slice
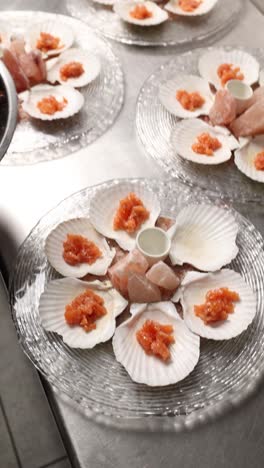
245,158
147,369
60,293
205,7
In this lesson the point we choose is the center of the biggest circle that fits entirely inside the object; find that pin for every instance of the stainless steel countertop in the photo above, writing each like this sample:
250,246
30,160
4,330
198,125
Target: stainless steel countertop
28,192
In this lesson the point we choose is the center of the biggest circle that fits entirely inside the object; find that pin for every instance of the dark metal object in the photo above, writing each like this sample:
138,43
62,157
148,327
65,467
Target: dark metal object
8,109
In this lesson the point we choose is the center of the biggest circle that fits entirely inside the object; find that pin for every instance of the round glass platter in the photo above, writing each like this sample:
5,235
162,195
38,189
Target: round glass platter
154,125
177,31
35,140
227,371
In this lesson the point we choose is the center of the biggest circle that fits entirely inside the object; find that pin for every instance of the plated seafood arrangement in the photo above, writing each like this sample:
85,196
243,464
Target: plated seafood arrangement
65,78
142,282
206,124
174,22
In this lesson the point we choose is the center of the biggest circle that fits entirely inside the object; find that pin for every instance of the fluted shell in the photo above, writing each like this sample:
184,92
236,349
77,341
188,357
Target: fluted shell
91,65
56,29
211,60
205,6
83,227
124,8
194,293
261,77
191,84
245,157
185,134
204,237
105,203
75,101
59,293
147,369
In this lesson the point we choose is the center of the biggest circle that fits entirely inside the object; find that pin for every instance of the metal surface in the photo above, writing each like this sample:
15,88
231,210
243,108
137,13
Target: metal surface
12,109
27,193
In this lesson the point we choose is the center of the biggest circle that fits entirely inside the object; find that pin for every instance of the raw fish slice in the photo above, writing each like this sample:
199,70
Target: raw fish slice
16,71
163,276
147,369
257,95
140,289
224,108
133,262
165,223
245,158
250,123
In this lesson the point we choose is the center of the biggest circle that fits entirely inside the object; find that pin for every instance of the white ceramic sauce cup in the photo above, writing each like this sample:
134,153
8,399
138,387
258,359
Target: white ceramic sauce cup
154,244
242,92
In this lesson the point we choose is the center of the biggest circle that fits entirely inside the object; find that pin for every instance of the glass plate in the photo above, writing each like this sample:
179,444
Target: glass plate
180,32
154,125
37,141
226,373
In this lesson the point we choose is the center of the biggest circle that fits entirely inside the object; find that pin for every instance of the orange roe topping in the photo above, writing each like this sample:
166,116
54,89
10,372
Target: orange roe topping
71,70
131,214
49,105
77,249
259,161
189,101
84,310
189,5
48,42
218,304
140,12
227,72
155,339
206,144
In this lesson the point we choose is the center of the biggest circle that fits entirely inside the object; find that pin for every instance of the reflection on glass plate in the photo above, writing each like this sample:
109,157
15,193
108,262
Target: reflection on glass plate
35,141
179,32
226,373
154,125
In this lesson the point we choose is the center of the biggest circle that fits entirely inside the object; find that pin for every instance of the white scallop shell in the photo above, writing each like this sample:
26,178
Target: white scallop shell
75,101
184,135
206,6
123,9
189,83
205,237
194,294
105,203
55,28
211,60
261,77
83,227
147,369
60,293
245,156
90,63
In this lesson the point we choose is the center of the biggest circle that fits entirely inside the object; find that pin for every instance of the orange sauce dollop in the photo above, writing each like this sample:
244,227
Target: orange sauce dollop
206,144
84,310
48,42
155,339
227,72
189,101
131,214
259,161
140,12
218,304
71,70
189,5
49,105
77,249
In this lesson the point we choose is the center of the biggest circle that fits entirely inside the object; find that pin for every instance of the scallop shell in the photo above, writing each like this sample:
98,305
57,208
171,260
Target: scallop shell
75,101
245,156
105,204
83,227
211,60
150,370
190,83
194,294
184,135
206,6
205,237
59,293
123,8
90,63
56,29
